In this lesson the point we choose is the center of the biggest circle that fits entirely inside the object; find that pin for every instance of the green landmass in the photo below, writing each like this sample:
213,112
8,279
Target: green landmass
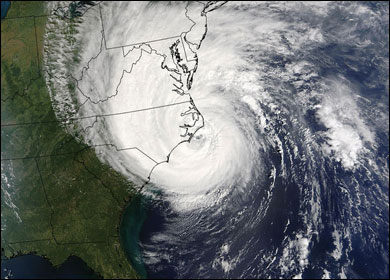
58,199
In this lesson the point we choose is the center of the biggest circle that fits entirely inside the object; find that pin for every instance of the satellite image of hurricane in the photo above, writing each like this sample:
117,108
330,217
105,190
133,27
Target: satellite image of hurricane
255,136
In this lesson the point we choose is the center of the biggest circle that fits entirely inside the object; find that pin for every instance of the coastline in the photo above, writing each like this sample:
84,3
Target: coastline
5,6
45,236
131,221
33,264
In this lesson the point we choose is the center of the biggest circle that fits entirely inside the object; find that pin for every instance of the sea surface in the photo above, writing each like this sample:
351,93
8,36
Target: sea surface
36,267
132,221
4,8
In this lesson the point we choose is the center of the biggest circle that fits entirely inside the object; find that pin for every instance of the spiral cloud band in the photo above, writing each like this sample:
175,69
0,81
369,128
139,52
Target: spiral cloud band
163,105
246,117
136,100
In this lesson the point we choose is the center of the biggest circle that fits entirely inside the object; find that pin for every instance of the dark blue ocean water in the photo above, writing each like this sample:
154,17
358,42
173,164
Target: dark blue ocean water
261,235
4,8
191,249
36,267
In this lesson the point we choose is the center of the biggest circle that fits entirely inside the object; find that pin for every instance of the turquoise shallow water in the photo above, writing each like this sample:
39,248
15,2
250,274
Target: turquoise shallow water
131,224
